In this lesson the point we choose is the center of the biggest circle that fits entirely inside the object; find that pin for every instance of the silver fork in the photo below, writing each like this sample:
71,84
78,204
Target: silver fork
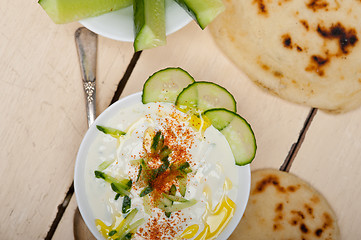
86,42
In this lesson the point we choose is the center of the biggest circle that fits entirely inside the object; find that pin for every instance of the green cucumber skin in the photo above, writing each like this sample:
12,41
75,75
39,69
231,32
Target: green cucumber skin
65,11
149,28
224,128
189,102
194,9
139,15
195,102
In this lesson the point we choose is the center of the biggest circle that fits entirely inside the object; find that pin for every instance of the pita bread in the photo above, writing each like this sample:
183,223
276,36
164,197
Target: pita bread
281,207
308,52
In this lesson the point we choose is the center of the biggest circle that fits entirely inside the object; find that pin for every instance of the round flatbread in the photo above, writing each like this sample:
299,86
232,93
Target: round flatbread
307,52
281,207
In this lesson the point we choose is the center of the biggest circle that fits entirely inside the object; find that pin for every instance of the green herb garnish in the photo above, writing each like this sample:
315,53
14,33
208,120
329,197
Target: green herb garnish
156,142
128,236
111,233
117,196
126,204
139,172
146,191
119,189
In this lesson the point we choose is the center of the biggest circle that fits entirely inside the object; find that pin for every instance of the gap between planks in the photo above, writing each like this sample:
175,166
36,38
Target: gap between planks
286,166
62,207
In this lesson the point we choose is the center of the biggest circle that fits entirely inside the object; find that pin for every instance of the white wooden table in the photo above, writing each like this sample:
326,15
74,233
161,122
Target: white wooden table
43,120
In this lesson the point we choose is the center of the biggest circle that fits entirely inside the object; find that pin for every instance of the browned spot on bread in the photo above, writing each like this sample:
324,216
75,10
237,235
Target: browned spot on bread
278,74
303,228
315,199
261,7
316,5
277,226
346,37
305,24
298,213
327,220
292,188
309,209
316,64
279,207
279,213
319,60
293,222
270,180
318,232
265,67
287,41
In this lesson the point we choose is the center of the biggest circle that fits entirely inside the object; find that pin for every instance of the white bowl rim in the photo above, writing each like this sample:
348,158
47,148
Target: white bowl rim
108,25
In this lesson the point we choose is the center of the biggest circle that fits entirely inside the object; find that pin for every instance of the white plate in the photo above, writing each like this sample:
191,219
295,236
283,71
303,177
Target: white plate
80,166
119,25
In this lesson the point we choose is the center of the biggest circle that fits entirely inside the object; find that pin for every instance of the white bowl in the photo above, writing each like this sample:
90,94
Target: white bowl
119,25
80,166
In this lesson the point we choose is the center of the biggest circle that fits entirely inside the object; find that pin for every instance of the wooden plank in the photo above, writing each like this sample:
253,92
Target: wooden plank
329,159
65,229
276,123
72,225
43,113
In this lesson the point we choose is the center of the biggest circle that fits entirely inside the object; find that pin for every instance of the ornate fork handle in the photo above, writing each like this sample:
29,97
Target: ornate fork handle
86,42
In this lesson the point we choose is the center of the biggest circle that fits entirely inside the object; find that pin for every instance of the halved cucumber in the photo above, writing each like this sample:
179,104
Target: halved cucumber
206,95
165,85
149,24
202,11
238,133
64,11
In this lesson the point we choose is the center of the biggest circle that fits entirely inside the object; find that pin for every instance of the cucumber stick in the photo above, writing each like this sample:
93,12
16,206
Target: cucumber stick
237,131
206,95
65,11
202,11
165,85
149,24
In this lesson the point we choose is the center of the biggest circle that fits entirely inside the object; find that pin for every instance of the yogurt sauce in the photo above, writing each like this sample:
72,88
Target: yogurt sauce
213,181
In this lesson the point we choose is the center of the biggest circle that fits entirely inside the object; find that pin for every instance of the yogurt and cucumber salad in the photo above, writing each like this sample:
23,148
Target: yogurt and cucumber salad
167,165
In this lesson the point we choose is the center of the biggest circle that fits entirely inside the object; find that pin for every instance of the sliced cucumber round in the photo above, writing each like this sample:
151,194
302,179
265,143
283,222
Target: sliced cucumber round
206,95
237,131
165,85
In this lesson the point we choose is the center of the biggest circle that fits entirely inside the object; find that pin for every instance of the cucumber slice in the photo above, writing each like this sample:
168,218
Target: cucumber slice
206,95
149,24
202,11
165,85
116,133
65,11
180,206
238,133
